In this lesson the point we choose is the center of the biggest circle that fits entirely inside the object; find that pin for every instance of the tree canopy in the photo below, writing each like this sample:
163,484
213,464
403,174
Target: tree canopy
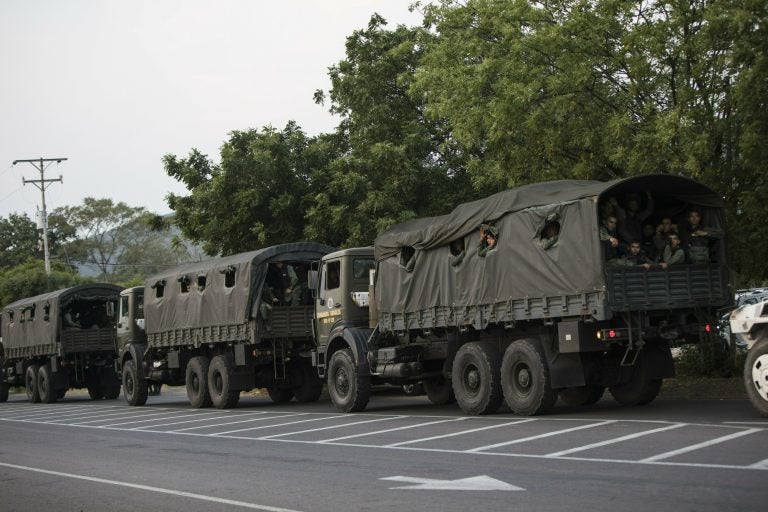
490,94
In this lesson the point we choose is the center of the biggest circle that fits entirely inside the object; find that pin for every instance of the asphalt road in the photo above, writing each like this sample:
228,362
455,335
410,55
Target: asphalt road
401,454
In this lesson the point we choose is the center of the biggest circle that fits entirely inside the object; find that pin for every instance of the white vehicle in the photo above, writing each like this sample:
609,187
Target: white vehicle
749,324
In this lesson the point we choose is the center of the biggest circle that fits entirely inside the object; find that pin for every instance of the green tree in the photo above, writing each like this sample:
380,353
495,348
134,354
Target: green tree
29,279
152,248
254,198
397,165
606,89
20,239
104,230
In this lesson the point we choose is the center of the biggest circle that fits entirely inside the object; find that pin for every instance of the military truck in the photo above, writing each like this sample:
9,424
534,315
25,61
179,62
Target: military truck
217,328
749,324
532,318
61,340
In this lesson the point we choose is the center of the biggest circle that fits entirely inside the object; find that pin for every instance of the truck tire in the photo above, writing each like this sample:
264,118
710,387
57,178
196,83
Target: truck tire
309,386
219,383
582,395
30,380
476,378
48,395
280,395
525,379
196,380
135,388
349,390
95,390
639,390
756,376
439,390
111,392
4,389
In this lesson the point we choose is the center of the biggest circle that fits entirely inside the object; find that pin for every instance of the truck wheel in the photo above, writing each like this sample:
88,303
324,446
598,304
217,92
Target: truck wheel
280,395
94,389
636,392
134,385
48,395
439,390
4,389
349,391
197,382
639,390
111,392
476,378
582,395
756,376
222,395
525,379
309,386
30,380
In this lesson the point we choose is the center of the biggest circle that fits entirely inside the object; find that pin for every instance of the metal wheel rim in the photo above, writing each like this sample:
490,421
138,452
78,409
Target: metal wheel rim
470,377
522,379
341,380
760,376
218,383
129,383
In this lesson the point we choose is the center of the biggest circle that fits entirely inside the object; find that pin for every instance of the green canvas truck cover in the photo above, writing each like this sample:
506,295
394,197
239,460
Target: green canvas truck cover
231,292
519,267
42,331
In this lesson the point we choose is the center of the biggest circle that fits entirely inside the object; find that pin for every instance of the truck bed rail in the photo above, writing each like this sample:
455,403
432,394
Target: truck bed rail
685,286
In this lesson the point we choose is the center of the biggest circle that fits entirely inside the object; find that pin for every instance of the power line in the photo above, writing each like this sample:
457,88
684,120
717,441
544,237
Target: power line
43,184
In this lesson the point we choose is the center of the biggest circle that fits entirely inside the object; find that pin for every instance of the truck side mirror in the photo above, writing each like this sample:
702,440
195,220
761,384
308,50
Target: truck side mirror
312,282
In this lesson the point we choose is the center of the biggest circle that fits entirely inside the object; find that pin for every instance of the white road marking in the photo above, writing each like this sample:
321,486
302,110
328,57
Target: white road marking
540,436
104,417
52,412
249,420
184,494
207,418
474,483
172,417
759,466
698,446
330,427
763,423
391,430
217,434
460,433
615,440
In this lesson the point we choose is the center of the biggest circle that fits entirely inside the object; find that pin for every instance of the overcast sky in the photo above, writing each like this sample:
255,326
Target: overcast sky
115,85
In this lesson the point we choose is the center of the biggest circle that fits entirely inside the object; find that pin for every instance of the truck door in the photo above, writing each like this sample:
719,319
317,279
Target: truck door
130,319
329,300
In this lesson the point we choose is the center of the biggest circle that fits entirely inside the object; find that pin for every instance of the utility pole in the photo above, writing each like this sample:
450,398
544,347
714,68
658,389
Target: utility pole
41,164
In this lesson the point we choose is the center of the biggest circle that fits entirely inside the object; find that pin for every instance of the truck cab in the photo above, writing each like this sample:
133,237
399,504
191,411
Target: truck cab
130,321
341,300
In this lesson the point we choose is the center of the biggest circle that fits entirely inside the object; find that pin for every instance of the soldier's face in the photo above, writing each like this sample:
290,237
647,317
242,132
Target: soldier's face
694,218
674,241
490,241
634,249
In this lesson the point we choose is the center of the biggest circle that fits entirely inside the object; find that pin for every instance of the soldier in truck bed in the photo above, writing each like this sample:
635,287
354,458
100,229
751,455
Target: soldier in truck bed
696,238
284,282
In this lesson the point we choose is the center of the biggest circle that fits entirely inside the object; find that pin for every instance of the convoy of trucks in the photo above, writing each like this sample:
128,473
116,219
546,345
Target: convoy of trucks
522,322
